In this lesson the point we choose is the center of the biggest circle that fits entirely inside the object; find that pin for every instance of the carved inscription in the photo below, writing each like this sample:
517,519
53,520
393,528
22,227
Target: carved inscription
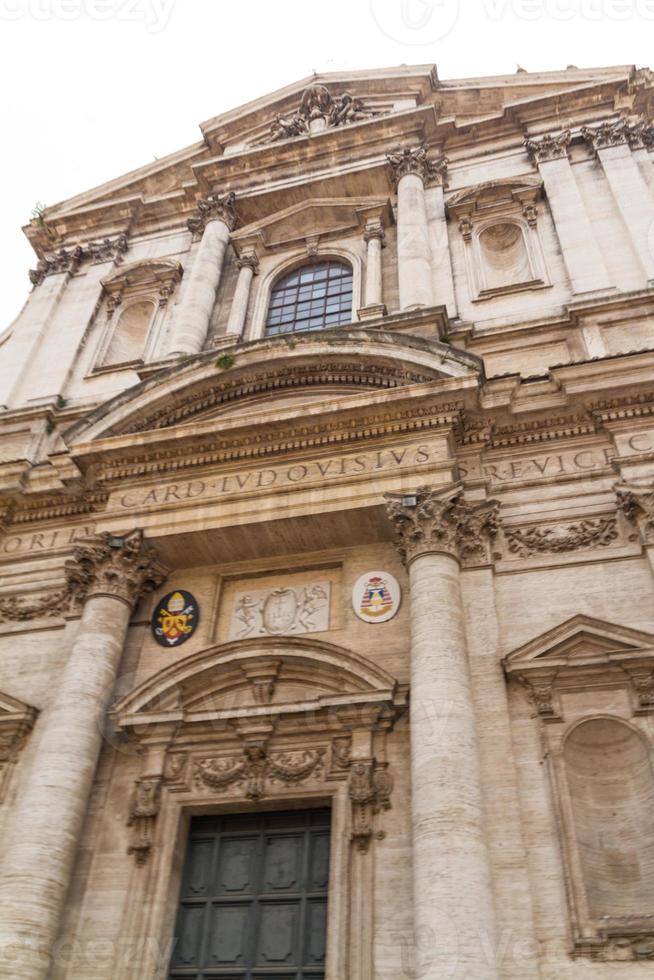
541,467
274,477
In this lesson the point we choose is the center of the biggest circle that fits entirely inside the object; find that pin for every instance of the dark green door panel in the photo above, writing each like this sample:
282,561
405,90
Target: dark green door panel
253,903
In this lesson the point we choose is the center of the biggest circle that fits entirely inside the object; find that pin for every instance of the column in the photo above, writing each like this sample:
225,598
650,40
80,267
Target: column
581,252
216,220
612,143
454,918
410,171
45,824
248,267
375,240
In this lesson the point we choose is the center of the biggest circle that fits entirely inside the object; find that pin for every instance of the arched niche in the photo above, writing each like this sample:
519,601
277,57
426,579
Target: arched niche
611,792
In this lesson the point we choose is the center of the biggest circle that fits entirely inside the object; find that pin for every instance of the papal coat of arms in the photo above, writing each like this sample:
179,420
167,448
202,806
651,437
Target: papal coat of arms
175,619
376,597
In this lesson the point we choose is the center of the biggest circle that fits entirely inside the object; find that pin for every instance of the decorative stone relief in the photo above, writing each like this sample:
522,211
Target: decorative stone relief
369,786
592,533
413,160
283,611
214,207
121,566
319,110
146,804
429,520
256,768
636,502
636,135
542,149
69,260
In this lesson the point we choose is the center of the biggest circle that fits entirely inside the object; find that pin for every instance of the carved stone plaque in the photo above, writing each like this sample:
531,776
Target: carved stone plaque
281,611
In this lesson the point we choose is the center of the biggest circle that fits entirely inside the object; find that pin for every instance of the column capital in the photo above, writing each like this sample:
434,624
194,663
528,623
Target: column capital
413,160
637,134
214,207
122,566
636,502
440,521
542,149
248,259
374,229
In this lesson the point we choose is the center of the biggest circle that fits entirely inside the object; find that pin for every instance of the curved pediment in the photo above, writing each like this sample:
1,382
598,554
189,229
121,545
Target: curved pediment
313,366
281,673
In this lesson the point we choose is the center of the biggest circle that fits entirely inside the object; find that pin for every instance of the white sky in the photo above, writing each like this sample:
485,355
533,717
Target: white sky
94,88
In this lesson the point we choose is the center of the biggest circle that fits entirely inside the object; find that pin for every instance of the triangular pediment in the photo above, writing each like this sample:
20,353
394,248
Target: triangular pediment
581,640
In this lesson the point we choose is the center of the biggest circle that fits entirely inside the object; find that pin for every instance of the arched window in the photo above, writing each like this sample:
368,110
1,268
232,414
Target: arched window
310,298
130,334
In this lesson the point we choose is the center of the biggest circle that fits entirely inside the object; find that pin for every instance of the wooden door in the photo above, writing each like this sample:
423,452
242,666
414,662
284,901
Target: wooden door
254,898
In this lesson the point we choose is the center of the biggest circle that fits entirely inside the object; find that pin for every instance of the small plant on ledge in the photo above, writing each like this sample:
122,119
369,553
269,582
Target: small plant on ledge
224,362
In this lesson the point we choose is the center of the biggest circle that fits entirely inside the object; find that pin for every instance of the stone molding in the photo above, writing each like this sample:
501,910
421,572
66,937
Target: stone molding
214,207
430,521
636,502
543,149
144,810
413,160
69,260
123,567
318,110
637,135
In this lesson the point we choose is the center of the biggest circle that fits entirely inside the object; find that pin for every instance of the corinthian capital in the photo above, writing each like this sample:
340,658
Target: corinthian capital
413,160
546,148
637,504
121,566
215,207
429,521
612,134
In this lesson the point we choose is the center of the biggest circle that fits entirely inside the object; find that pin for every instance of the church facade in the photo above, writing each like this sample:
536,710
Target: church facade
327,545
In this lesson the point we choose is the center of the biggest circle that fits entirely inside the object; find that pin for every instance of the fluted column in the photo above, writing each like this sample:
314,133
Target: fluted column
45,823
579,247
454,918
613,143
215,221
410,171
375,240
248,267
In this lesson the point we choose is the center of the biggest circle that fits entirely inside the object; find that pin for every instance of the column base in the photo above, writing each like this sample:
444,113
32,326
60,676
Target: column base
372,312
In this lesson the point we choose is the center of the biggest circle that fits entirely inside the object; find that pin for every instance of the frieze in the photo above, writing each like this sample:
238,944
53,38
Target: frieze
539,468
42,541
255,768
596,532
281,611
293,475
